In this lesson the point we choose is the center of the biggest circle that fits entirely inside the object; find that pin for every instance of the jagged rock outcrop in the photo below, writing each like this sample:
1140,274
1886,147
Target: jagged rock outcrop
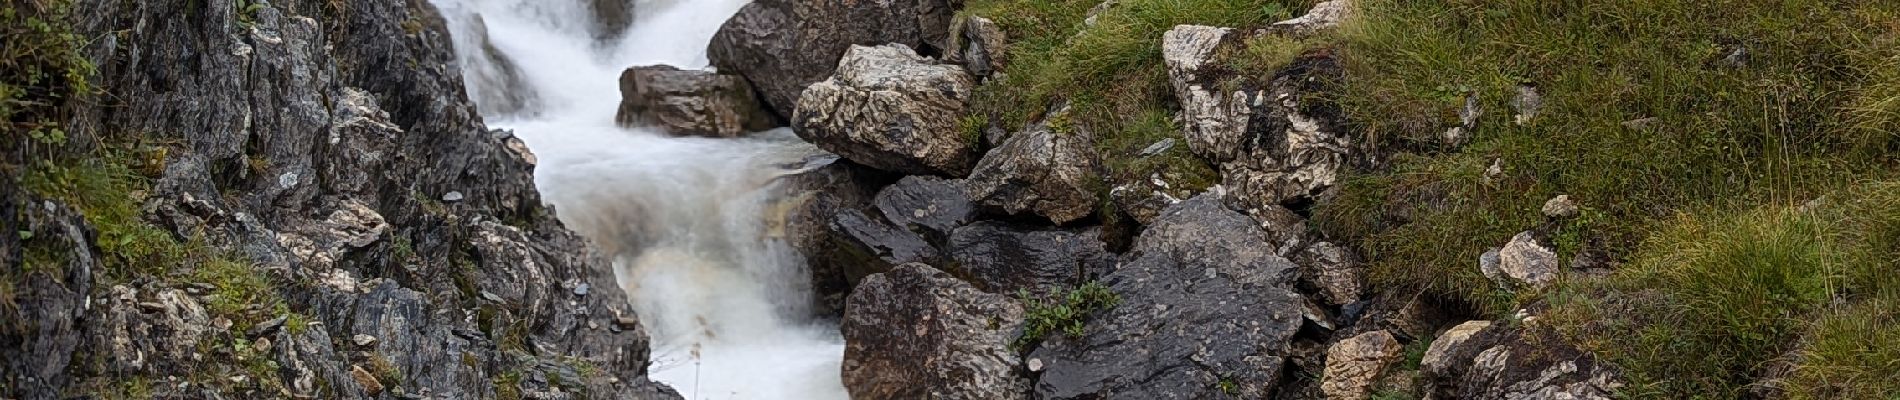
1516,362
1047,170
918,333
1206,311
782,46
1006,259
692,103
891,109
980,47
327,149
1272,143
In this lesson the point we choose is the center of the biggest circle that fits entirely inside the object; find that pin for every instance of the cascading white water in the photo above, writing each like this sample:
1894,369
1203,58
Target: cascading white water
725,303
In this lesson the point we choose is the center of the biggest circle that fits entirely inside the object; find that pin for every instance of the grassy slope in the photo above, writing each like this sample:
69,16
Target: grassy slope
1698,202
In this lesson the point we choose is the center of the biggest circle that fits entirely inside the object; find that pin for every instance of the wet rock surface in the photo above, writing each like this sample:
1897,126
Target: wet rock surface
891,109
1011,260
782,46
312,147
916,332
1206,311
692,103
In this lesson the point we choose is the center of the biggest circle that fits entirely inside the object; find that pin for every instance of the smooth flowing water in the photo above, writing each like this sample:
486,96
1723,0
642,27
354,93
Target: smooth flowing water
725,303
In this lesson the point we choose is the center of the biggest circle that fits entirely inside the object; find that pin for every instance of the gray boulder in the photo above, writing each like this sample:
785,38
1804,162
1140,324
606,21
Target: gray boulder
1272,144
891,109
691,103
1006,259
918,333
1206,311
1048,170
782,46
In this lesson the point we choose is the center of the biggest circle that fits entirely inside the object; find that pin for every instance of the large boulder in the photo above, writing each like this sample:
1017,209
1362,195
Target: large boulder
918,333
782,46
1273,143
1515,362
891,109
1048,169
693,103
1206,311
1007,259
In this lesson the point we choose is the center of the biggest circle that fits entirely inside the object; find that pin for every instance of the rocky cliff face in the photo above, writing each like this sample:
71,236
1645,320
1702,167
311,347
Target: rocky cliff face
322,157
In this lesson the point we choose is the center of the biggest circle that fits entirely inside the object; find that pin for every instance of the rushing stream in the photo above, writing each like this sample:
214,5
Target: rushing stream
725,303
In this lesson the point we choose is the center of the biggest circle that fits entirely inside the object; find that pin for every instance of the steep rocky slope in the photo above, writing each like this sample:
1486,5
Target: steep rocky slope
292,199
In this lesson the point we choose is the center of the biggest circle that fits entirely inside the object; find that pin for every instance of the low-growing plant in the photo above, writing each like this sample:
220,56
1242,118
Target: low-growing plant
1065,312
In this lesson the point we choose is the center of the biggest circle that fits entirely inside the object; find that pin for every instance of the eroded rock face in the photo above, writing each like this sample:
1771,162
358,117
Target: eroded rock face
782,46
315,154
1206,311
890,109
1271,144
1047,170
1516,363
693,103
916,332
1009,260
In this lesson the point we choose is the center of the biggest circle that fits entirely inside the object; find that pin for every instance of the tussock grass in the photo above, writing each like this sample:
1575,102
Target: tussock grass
1717,299
1748,102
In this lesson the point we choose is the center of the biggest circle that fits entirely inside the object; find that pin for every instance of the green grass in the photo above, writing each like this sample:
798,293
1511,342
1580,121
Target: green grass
1065,312
1714,298
1111,73
1811,107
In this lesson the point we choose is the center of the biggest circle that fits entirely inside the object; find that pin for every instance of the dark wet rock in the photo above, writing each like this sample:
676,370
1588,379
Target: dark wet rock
812,201
1005,259
890,109
611,18
41,323
311,142
693,103
1273,143
926,204
782,46
916,332
1047,170
1515,362
1206,311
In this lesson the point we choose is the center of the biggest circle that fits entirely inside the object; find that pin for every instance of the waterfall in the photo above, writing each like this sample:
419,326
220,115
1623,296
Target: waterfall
683,217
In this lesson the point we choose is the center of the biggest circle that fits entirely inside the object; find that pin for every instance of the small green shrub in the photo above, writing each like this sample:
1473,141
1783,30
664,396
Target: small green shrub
1066,312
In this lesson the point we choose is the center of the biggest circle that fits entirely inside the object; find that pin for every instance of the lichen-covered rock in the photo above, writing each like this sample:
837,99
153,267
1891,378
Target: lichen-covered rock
1354,364
891,109
1560,207
1006,259
1272,143
1522,262
1047,170
1518,363
1325,15
918,333
1206,311
981,48
692,103
782,46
